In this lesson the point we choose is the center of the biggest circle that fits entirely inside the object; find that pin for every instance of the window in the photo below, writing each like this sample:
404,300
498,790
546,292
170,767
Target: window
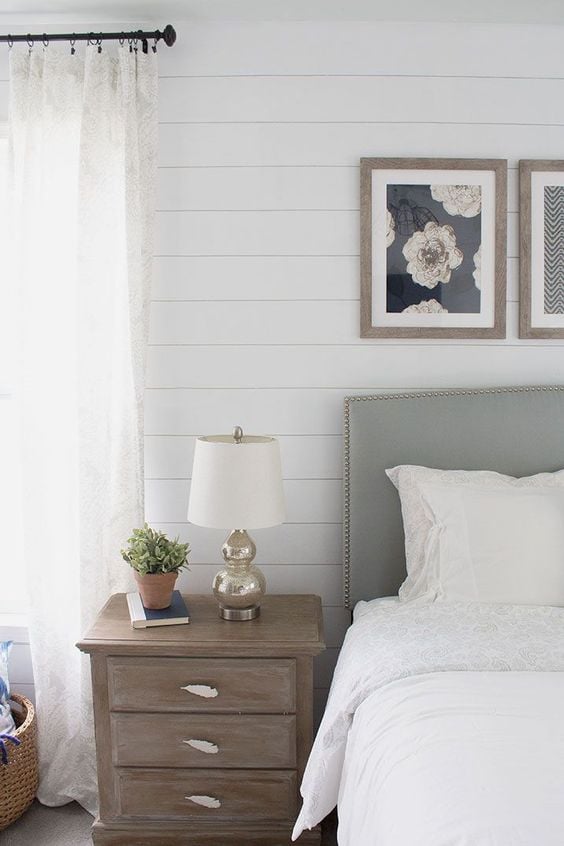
12,573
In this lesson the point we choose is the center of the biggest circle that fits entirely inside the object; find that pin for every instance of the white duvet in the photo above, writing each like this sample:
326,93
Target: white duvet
444,727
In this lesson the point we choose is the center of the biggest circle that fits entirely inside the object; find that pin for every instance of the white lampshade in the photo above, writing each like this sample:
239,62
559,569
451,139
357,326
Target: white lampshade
236,485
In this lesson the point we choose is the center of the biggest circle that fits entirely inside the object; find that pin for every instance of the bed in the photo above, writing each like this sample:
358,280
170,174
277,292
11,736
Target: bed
444,721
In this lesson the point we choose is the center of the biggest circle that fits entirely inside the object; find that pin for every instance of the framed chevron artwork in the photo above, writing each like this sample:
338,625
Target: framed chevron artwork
541,193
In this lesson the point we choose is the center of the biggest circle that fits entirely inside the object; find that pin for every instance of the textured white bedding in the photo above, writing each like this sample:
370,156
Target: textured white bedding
457,759
399,702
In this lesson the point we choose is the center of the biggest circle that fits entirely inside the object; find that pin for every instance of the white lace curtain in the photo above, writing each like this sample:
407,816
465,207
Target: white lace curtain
83,133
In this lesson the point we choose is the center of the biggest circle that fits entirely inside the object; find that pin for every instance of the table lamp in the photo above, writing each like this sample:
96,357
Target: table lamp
237,482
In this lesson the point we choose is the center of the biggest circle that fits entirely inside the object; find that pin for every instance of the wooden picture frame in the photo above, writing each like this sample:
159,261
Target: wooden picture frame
541,270
436,227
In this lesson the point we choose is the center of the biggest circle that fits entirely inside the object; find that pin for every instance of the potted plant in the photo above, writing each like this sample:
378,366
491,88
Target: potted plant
156,560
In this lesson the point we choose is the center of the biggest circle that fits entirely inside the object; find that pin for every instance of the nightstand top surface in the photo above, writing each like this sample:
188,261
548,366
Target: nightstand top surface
291,621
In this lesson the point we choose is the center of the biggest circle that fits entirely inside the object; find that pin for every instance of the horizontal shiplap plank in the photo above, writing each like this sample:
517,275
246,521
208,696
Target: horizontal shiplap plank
258,188
327,188
287,545
255,277
269,278
371,47
168,457
234,323
281,144
317,457
278,412
313,411
307,500
327,233
324,580
434,365
257,233
306,322
359,98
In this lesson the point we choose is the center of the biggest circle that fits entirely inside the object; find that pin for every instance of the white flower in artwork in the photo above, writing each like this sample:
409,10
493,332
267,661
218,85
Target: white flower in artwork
432,254
464,200
426,307
477,274
390,228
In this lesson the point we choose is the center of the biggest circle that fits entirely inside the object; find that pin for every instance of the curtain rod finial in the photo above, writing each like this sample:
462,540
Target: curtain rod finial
169,35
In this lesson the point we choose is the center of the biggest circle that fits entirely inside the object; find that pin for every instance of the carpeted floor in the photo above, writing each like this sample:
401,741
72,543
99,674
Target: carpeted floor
70,826
42,826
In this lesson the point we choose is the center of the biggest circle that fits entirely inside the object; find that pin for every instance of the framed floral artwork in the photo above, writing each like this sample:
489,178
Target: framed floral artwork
541,301
433,248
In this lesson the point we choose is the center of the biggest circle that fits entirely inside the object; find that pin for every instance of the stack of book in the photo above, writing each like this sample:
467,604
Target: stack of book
142,617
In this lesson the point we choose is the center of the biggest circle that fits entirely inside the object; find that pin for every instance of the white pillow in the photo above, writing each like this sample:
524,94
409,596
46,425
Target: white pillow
479,535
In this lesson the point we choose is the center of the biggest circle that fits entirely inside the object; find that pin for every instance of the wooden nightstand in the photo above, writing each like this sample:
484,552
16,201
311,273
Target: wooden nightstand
243,687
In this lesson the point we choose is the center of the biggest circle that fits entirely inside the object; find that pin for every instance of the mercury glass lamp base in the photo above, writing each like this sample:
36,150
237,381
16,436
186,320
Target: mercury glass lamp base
240,586
239,613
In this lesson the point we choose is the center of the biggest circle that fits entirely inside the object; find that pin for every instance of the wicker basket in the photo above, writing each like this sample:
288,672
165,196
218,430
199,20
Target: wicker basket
18,778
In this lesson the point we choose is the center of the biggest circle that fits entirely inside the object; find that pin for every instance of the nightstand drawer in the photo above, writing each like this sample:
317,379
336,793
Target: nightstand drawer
204,740
202,684
245,794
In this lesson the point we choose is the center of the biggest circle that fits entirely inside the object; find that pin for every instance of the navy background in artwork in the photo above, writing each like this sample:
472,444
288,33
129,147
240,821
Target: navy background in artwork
460,295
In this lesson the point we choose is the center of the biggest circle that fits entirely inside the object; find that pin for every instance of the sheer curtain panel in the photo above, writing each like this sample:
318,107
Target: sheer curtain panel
83,139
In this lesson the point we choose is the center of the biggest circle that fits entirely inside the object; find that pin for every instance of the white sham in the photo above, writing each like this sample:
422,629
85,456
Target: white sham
442,518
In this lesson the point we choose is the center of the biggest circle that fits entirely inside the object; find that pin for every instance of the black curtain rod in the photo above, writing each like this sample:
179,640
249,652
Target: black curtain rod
168,35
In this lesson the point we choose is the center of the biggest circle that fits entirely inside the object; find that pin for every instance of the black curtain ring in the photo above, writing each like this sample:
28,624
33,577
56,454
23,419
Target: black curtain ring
99,45
45,40
30,42
10,41
122,39
72,43
145,45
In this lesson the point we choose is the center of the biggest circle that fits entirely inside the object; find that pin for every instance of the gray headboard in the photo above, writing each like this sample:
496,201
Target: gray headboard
518,431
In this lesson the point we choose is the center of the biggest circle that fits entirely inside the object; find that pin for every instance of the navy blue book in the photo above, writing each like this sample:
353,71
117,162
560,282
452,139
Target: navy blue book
142,617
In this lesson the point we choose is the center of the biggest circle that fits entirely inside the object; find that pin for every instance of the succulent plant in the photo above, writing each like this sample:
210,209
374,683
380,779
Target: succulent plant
150,551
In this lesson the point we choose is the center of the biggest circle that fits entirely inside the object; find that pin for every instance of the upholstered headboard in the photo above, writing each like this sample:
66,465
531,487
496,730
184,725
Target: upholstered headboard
518,431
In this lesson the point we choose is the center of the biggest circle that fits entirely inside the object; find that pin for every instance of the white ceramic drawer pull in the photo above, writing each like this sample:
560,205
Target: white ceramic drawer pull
203,690
203,746
204,801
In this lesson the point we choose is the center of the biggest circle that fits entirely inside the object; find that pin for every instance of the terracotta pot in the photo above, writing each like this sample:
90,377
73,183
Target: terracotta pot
156,589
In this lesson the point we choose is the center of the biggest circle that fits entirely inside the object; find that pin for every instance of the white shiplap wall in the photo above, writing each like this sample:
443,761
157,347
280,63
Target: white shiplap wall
255,313
255,319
